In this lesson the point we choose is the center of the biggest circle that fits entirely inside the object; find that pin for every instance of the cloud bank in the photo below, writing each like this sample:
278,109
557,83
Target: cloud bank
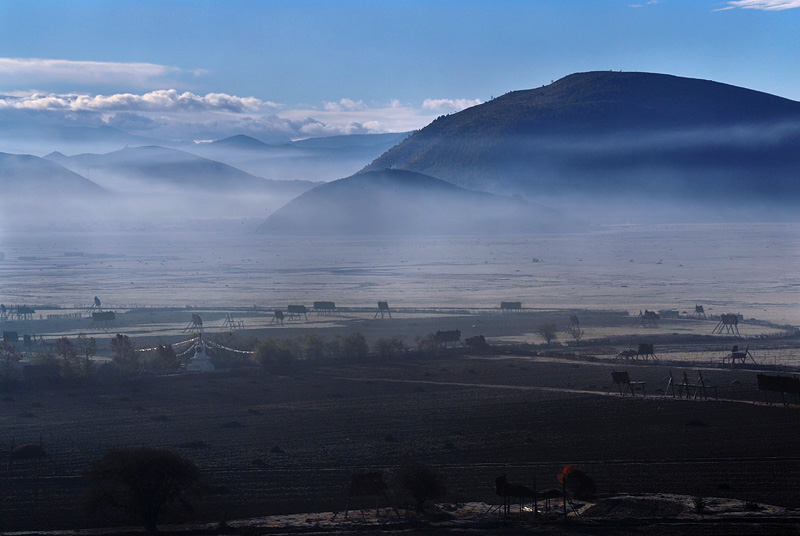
31,71
166,100
169,114
766,5
449,105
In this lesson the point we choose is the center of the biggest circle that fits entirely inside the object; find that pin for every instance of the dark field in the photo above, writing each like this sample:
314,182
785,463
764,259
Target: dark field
473,418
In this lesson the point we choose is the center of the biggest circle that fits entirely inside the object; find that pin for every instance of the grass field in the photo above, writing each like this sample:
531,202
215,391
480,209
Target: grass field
283,444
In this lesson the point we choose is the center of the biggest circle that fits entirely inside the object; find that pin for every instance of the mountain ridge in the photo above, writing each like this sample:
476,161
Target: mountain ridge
646,135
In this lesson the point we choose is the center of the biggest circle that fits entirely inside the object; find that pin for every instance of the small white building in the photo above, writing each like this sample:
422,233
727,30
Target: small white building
200,361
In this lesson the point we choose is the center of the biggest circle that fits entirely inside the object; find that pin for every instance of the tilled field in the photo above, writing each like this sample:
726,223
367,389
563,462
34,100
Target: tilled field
272,444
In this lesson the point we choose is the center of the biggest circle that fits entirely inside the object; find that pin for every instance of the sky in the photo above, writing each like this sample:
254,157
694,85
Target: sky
202,70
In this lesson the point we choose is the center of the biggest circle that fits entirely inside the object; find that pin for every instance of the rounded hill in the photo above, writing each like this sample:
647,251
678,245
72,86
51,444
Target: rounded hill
404,203
615,134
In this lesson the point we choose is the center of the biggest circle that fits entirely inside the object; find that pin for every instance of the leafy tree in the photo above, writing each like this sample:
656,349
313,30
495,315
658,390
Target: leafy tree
167,359
65,350
124,353
421,482
548,331
144,482
313,346
86,348
354,346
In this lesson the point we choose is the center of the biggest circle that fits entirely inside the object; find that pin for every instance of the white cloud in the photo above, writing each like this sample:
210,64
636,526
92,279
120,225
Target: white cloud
165,100
171,114
38,70
449,105
766,5
345,104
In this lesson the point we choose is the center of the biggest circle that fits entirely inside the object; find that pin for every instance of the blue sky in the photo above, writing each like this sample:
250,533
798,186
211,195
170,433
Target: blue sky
198,69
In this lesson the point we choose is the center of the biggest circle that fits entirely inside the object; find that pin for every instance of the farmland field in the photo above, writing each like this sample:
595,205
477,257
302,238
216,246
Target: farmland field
278,444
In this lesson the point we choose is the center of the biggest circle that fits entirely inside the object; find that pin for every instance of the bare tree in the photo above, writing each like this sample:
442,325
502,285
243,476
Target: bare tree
577,333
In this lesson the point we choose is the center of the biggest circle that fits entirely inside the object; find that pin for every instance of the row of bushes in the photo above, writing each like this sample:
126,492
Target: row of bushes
279,355
74,358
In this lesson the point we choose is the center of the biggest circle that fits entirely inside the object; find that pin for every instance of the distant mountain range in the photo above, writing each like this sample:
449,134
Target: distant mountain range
396,202
623,136
607,146
26,175
315,159
159,168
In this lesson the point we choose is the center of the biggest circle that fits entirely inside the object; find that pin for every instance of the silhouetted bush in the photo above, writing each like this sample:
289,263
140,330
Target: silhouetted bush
313,347
9,357
420,482
548,331
388,348
142,481
275,355
352,347
577,482
124,354
427,346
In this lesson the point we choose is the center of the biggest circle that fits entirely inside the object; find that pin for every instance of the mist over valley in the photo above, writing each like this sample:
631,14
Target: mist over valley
358,267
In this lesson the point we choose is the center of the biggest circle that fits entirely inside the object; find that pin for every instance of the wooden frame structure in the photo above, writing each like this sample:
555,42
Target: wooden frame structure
444,338
277,318
623,382
325,308
729,323
366,484
690,390
194,325
699,313
510,306
736,356
232,323
383,309
104,319
647,319
293,312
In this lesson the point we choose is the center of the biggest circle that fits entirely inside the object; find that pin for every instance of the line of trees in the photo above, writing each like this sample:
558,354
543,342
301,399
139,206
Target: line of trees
148,483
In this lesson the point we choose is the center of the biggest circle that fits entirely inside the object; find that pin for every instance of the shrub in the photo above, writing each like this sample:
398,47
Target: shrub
700,504
10,358
124,353
86,348
388,348
427,345
275,355
353,346
577,481
313,347
144,482
548,331
68,357
420,481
